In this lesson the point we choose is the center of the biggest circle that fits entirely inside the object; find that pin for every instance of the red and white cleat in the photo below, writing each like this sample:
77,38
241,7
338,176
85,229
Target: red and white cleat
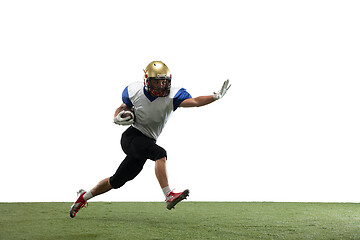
174,198
80,203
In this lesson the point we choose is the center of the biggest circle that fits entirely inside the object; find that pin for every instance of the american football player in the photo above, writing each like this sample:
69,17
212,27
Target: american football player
153,101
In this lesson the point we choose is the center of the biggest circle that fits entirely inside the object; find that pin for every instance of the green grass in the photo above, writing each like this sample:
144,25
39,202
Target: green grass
190,220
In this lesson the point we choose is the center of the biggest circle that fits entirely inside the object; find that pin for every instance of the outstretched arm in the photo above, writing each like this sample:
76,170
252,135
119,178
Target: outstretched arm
198,101
204,100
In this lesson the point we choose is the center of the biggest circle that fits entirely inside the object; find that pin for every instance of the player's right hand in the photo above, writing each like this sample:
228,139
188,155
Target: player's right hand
123,121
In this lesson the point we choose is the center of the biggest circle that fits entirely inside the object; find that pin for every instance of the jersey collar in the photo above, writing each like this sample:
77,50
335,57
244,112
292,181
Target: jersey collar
151,98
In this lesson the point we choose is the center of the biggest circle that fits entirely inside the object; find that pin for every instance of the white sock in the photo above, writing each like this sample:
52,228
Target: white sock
88,195
166,190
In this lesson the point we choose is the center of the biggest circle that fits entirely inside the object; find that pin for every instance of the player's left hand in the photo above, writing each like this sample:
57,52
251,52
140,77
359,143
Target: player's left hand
219,94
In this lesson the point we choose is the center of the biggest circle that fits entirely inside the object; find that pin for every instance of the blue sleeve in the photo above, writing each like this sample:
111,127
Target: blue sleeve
125,98
180,96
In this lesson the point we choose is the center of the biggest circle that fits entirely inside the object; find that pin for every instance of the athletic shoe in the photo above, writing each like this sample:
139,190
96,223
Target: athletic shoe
80,203
174,198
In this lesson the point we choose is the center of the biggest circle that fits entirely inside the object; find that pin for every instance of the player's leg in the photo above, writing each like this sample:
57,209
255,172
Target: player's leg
161,173
127,171
124,169
171,198
105,184
137,145
102,187
83,196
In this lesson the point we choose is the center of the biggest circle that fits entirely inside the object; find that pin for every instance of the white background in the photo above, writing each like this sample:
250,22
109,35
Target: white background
287,130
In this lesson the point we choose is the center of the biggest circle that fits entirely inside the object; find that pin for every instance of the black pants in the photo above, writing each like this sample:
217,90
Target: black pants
138,149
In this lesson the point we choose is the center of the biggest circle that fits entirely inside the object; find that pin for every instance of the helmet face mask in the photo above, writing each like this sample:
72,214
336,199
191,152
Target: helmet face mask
158,87
157,79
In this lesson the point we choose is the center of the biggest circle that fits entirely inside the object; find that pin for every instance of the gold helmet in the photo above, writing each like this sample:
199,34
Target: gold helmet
157,79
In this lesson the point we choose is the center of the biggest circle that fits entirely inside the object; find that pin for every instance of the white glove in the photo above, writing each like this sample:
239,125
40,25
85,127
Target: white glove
222,91
124,121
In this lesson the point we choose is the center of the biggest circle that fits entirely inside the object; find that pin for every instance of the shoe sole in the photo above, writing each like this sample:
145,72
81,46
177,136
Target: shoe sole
183,196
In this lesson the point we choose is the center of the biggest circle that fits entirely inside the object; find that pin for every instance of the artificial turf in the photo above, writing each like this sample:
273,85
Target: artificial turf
190,220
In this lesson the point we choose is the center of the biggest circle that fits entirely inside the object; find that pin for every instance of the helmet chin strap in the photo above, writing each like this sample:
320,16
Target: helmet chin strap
154,95
160,93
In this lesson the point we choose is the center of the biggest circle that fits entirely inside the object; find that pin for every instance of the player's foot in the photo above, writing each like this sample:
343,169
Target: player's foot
174,198
80,203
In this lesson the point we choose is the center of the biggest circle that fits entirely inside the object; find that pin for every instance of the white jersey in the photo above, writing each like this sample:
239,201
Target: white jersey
152,113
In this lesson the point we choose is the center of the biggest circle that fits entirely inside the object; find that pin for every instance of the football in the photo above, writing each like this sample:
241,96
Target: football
128,112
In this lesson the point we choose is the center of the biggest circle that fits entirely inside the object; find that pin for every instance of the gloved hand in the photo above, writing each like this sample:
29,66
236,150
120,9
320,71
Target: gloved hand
126,120
219,94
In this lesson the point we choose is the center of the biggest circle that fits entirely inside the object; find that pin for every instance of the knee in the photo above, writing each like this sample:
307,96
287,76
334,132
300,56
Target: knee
116,182
163,159
160,154
126,172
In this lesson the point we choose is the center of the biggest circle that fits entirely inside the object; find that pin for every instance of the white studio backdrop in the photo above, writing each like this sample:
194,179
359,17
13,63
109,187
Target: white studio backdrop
287,130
